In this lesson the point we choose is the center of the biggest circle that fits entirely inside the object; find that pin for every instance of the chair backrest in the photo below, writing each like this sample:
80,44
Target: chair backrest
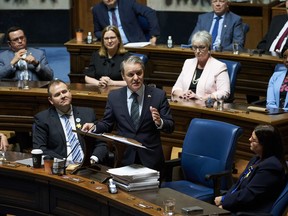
209,147
233,68
281,203
143,57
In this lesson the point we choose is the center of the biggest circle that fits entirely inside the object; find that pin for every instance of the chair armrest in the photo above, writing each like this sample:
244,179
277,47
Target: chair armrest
169,165
216,177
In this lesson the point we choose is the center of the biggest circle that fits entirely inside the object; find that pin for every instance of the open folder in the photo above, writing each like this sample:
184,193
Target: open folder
111,137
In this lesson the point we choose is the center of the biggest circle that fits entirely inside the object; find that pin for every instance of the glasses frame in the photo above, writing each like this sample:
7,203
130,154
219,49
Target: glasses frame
201,48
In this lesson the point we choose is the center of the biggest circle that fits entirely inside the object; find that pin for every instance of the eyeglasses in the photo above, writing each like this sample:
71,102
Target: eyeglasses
201,48
110,38
21,38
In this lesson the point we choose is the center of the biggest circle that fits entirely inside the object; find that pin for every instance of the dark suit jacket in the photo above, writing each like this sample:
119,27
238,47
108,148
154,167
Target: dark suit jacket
259,190
6,71
128,12
275,27
48,133
116,112
232,30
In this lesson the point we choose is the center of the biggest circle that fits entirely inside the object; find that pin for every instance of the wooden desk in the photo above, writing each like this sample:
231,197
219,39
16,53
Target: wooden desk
279,9
257,14
28,191
19,106
164,65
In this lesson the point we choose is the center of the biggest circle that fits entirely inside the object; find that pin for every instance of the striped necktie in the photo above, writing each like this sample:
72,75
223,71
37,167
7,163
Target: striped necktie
74,142
281,39
114,18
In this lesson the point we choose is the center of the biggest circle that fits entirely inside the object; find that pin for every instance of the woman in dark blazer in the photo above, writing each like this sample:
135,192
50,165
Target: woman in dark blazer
264,178
104,67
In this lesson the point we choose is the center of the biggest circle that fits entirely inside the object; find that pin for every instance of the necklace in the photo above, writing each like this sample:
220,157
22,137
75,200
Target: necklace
194,80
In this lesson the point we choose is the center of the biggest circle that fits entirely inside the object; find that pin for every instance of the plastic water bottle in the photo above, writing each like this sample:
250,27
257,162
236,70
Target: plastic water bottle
169,42
89,38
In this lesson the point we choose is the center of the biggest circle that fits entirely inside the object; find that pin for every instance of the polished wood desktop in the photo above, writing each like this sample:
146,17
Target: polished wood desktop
164,65
29,191
18,107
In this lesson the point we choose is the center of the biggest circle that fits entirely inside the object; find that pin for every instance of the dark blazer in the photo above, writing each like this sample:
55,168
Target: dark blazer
8,72
275,27
102,66
259,190
232,30
48,133
128,12
116,112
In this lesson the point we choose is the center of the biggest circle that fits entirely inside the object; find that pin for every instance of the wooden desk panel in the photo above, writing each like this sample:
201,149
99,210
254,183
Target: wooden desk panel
164,65
28,191
254,12
34,100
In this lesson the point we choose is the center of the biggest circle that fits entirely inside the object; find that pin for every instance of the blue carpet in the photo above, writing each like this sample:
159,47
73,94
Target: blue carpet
59,60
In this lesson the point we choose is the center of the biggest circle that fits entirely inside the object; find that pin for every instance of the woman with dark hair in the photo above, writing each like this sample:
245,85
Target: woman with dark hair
104,67
264,177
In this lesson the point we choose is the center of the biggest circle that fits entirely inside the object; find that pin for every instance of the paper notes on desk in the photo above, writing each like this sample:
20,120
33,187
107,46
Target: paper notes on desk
257,109
135,177
137,44
268,111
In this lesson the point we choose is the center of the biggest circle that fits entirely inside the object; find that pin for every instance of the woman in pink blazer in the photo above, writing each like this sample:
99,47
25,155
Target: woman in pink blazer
202,77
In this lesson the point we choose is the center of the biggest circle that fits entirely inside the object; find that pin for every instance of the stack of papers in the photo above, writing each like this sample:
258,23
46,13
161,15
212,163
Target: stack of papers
135,177
137,44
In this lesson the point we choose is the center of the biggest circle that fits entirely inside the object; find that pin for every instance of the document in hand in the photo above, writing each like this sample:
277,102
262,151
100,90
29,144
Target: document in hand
110,136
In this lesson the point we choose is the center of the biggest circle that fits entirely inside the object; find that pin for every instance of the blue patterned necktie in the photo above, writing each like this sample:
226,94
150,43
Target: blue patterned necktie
215,29
74,142
135,110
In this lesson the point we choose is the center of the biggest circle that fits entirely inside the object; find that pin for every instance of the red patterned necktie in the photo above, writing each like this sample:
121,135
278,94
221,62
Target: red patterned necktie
281,39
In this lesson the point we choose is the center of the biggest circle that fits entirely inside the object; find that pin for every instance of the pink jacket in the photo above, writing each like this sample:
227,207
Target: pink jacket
214,79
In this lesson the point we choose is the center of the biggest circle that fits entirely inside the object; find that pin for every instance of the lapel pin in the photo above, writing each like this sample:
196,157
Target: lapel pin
149,96
79,125
78,119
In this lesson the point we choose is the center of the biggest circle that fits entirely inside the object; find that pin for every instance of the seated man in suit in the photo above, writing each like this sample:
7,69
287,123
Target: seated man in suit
20,58
224,26
277,34
124,15
52,132
139,112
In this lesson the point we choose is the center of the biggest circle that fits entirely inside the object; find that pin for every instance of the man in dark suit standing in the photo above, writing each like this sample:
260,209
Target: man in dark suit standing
124,14
20,57
50,131
228,30
144,123
277,34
